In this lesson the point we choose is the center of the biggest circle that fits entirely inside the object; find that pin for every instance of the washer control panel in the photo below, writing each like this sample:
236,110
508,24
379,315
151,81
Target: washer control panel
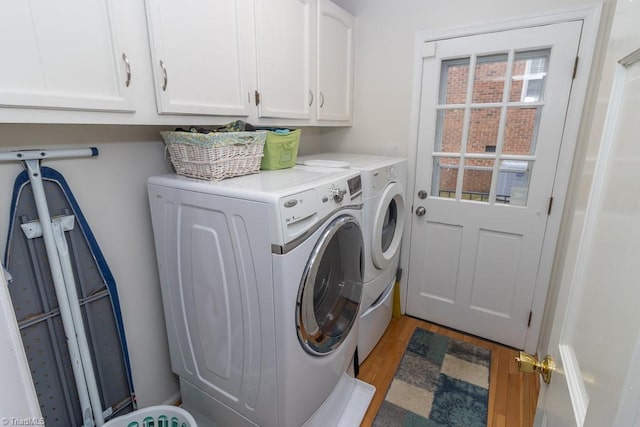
338,193
301,211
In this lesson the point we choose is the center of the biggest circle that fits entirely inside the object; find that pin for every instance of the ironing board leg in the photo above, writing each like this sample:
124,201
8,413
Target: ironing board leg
89,397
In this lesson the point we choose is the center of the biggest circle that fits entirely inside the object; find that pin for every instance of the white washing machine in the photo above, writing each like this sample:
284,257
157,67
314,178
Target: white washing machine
384,182
261,280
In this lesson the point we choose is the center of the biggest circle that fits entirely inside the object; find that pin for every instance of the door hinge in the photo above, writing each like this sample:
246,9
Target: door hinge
529,321
550,204
575,67
257,94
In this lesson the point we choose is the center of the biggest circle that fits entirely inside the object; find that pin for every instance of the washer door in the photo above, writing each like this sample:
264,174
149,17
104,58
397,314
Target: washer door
331,288
388,224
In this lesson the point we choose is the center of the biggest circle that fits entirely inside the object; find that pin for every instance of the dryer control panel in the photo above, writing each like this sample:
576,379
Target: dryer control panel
382,177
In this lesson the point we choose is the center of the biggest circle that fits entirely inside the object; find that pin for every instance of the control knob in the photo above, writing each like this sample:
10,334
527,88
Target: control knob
338,194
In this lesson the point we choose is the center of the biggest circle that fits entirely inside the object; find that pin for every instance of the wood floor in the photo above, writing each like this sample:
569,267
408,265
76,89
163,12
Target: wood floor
512,395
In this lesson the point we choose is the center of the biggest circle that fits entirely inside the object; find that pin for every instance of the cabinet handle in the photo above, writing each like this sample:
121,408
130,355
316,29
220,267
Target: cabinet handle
310,98
321,99
127,68
164,76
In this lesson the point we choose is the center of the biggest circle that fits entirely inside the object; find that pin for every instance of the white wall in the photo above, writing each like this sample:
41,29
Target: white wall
624,32
384,77
384,64
111,191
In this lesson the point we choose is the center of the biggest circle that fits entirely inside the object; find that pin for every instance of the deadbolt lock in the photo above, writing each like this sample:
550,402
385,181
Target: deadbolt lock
422,194
529,364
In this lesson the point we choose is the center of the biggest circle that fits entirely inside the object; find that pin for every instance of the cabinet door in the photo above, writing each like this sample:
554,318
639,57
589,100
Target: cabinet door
285,54
62,54
202,58
335,62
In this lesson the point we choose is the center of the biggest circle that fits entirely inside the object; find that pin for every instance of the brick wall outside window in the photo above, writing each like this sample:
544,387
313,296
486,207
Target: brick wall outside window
484,122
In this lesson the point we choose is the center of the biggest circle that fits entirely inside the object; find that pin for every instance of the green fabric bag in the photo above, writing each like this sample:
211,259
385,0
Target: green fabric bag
280,150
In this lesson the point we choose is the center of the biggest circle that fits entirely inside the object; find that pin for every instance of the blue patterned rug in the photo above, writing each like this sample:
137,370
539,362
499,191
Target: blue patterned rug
440,382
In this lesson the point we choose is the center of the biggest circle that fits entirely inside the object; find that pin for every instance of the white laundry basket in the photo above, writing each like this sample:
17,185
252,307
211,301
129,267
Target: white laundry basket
155,416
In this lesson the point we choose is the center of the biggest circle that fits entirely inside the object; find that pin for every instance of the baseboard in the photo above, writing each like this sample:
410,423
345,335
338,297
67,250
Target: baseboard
175,399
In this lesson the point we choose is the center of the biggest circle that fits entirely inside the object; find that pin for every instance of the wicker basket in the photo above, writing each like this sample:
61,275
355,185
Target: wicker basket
215,155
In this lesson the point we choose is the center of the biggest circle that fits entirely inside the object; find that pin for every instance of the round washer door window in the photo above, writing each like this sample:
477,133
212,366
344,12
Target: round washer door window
388,225
331,288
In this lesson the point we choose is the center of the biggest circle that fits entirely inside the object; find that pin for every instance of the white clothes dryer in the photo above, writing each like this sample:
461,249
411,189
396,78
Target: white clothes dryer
384,180
261,279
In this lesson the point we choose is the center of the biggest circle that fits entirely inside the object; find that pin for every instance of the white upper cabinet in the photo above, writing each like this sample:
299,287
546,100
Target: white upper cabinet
202,56
64,54
189,62
304,60
285,41
335,62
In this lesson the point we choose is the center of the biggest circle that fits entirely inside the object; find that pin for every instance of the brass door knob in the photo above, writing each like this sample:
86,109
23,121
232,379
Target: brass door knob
529,364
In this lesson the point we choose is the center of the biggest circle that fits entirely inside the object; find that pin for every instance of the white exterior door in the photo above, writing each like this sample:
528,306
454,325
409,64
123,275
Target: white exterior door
492,115
595,340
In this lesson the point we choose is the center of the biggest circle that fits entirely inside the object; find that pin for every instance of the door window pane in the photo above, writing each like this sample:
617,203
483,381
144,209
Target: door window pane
483,130
453,84
490,73
521,130
445,179
517,131
529,75
449,130
513,182
476,182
